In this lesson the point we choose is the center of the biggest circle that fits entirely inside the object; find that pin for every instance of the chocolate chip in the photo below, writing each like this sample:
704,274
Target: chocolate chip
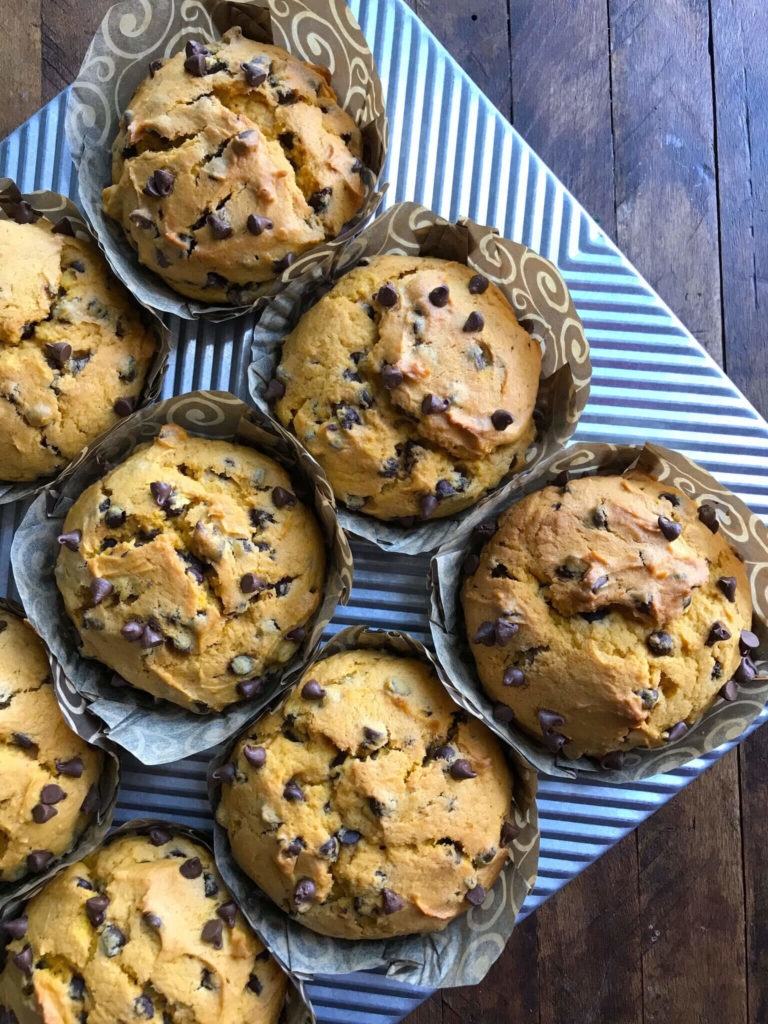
159,836
115,517
727,585
501,419
649,698
549,720
159,184
474,322
283,264
151,920
274,390
319,200
143,1007
257,225
486,529
312,690
92,800
503,713
196,65
161,492
228,913
151,637
387,295
478,284
708,516
282,498
461,769
504,630
53,794
748,641
431,404
96,910
292,791
194,47
428,505
58,352
676,732
560,479
219,227
15,928
24,960
439,296
124,406
746,671
669,528
349,836
213,280
660,643
42,813
476,896
255,72
38,860
132,630
730,691
255,756
599,583
112,940
599,519
513,677
717,634
212,933
391,902
254,985
70,540
509,833
304,892
391,377
100,588
191,868
248,688
613,761
224,773
250,583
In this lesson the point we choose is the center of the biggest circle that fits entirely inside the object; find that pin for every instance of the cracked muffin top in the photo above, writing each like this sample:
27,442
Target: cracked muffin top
74,350
413,384
191,569
142,929
608,613
232,158
48,775
369,805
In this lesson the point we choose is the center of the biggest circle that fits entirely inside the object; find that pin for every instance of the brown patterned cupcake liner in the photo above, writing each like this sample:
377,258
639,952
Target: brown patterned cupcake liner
534,288
63,213
724,721
156,731
461,954
117,61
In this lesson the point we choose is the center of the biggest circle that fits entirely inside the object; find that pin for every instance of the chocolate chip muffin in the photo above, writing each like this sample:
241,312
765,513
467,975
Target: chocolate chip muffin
368,804
48,775
412,384
232,158
142,929
192,569
608,613
74,350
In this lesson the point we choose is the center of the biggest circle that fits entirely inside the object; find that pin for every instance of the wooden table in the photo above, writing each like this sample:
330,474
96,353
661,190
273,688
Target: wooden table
653,114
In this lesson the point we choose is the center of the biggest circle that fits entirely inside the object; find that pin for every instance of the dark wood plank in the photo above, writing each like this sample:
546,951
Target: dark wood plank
589,945
666,202
20,91
477,36
561,106
740,54
753,762
692,907
67,28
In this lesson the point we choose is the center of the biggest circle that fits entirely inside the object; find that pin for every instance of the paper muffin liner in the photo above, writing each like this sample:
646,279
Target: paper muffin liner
156,731
297,1008
461,954
58,208
109,784
531,284
134,33
745,531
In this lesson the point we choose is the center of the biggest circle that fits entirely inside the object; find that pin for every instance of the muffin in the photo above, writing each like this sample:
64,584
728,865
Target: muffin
48,775
368,804
74,349
412,384
608,614
232,158
141,929
191,569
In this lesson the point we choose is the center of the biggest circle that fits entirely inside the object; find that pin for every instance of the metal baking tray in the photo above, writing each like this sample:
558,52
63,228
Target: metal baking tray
450,148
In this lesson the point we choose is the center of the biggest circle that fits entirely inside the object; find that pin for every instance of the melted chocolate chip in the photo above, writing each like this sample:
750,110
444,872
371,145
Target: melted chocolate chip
660,643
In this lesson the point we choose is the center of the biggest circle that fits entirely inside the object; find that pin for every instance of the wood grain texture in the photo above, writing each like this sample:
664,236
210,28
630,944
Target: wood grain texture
20,78
666,197
740,56
67,28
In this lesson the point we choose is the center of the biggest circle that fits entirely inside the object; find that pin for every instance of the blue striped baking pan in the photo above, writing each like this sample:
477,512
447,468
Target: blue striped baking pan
452,150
